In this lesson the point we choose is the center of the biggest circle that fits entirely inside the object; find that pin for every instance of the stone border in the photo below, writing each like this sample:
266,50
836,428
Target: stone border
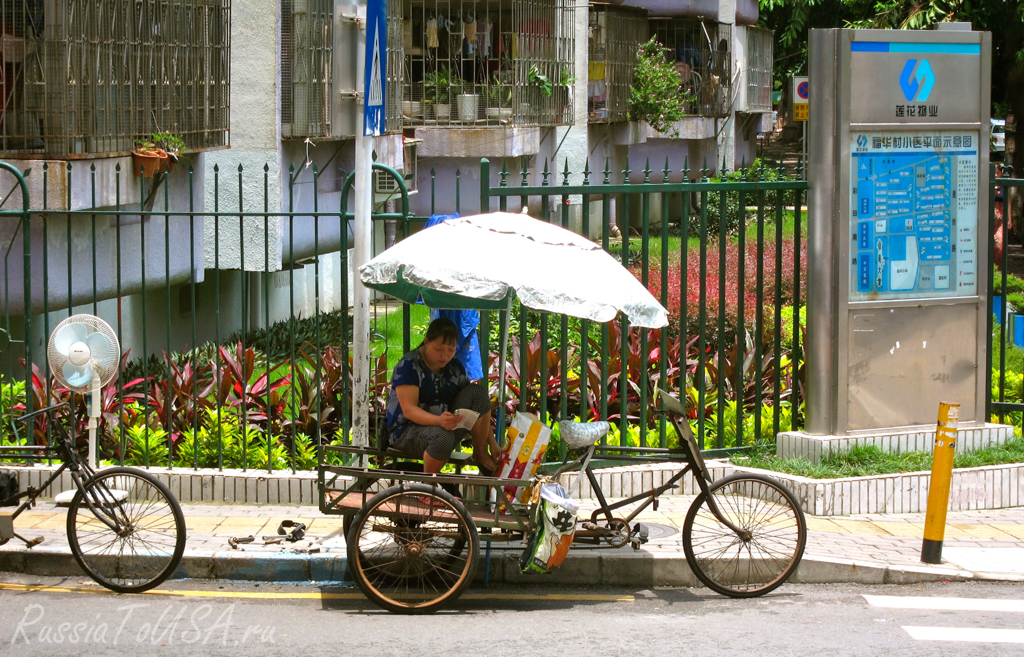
204,485
987,487
797,444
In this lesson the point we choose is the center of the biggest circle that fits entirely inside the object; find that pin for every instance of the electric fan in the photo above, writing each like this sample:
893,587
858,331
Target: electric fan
84,355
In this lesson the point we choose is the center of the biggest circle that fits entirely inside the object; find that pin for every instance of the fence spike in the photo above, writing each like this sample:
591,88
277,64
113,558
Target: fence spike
586,171
565,174
686,169
647,170
240,167
626,172
266,167
545,173
92,168
607,171
704,170
504,172
666,170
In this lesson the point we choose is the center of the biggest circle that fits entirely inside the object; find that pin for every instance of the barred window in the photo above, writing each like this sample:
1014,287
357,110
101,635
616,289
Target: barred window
702,51
614,34
759,70
92,78
307,40
494,62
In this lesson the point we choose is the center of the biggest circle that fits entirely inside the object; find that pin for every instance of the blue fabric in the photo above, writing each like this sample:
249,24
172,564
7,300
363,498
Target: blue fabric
437,391
466,321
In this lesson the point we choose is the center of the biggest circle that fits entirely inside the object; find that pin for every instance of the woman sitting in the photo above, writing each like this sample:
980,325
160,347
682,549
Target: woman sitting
428,384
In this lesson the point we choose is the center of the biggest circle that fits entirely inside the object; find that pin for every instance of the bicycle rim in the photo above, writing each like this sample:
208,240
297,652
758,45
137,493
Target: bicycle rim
146,541
411,557
723,560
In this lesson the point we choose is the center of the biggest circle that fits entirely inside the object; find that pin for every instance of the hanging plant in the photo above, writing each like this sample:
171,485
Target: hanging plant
656,96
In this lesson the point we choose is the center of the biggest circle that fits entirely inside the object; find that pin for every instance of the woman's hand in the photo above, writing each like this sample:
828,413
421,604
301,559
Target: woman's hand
448,420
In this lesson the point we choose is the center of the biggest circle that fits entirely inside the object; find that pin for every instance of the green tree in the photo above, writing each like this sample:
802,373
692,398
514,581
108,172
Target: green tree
1003,18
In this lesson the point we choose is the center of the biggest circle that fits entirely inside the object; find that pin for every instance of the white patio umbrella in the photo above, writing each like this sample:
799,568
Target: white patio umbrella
482,262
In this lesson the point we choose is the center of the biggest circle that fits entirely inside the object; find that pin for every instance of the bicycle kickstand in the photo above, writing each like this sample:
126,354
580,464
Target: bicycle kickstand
7,532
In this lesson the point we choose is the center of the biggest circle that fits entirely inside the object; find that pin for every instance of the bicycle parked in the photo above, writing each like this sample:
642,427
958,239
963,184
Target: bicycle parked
125,527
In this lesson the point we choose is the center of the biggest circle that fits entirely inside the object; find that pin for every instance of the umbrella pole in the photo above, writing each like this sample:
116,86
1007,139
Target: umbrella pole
501,368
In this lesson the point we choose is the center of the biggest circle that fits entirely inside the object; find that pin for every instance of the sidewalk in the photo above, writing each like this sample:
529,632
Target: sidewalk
866,549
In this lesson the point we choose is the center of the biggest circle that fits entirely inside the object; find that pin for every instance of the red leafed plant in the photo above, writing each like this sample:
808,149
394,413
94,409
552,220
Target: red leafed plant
712,278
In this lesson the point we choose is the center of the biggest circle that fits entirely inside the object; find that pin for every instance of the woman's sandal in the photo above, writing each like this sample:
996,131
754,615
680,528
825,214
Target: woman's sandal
429,500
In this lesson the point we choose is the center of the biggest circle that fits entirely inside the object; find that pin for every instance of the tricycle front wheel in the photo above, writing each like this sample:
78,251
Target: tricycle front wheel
413,548
765,553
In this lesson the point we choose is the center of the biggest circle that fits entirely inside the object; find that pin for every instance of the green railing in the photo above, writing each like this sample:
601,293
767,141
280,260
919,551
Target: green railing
252,369
1005,353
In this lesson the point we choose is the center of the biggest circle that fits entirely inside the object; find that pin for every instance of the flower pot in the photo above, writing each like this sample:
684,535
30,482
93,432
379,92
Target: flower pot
499,113
412,109
148,163
468,105
442,111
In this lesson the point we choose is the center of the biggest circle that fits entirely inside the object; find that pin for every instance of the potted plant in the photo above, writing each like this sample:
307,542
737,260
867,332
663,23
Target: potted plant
499,98
655,95
469,106
172,145
439,88
562,93
148,159
542,83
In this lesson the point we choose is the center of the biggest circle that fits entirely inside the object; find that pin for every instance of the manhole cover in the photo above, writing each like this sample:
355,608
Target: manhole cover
656,531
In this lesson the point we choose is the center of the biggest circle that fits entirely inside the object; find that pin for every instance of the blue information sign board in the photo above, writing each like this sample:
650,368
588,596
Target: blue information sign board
914,214
376,68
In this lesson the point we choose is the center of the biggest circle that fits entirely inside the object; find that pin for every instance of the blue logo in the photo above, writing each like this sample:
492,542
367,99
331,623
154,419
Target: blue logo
862,141
917,80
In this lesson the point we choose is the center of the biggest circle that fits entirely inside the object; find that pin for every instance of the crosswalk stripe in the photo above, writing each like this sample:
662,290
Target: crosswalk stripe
945,604
970,634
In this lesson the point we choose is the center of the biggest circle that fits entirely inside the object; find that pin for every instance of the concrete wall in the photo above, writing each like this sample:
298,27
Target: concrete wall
99,254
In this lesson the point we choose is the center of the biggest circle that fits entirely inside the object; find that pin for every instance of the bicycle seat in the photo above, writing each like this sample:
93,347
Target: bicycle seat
579,435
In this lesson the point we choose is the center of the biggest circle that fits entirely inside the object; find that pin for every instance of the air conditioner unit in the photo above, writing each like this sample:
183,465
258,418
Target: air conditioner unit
385,187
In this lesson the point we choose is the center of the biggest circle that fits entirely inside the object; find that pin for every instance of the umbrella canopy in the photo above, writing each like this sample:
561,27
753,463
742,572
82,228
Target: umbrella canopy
481,261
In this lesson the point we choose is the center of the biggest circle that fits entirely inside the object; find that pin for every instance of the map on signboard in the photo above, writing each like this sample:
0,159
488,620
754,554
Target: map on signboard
913,214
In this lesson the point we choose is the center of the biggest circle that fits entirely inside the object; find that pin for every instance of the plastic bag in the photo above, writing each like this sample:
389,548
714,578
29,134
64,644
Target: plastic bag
554,529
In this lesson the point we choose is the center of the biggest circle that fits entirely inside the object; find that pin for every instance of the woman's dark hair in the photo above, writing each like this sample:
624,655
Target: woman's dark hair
443,328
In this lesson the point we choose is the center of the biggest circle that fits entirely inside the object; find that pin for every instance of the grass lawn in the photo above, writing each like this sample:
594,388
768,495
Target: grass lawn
654,245
865,461
386,332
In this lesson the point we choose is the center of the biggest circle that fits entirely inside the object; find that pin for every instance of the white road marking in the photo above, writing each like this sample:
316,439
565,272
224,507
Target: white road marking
945,604
968,634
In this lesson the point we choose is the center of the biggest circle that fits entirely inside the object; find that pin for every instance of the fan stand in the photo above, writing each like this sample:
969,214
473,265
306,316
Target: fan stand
65,497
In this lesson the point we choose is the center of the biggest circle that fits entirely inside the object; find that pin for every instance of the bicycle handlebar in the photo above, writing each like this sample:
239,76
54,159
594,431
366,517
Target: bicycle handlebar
47,410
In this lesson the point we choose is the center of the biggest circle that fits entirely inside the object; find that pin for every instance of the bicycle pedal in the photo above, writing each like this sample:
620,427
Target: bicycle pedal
34,542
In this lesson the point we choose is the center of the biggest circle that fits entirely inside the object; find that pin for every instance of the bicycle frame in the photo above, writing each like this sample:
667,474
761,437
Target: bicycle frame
70,460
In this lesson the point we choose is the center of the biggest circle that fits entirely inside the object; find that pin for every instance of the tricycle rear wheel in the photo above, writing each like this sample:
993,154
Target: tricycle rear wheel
413,548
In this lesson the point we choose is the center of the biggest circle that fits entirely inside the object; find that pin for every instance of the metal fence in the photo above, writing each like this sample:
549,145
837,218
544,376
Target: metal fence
495,63
615,33
1006,323
93,77
251,369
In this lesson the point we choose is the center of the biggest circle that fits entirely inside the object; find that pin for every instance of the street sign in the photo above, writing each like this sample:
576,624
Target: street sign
800,98
376,68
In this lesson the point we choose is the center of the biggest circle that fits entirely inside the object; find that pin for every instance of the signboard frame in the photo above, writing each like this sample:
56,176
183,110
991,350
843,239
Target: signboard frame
854,380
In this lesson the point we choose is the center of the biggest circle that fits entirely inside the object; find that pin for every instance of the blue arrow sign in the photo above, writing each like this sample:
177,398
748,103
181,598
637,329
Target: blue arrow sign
376,68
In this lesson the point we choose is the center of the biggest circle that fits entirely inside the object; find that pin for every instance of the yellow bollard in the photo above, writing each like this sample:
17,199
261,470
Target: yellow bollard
938,490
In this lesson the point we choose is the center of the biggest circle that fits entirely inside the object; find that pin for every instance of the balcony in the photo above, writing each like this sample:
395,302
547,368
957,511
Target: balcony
91,78
703,56
486,63
614,35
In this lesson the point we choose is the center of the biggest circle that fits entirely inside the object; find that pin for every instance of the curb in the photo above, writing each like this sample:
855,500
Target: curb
642,569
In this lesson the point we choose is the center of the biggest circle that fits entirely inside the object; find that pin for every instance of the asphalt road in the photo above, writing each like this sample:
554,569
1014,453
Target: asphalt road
72,616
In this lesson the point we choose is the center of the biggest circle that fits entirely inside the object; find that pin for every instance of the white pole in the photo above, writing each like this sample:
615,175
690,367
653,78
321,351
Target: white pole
361,255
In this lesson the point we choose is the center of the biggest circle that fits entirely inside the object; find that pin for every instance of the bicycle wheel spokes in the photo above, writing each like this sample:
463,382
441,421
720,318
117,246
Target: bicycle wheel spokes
408,555
764,556
126,530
